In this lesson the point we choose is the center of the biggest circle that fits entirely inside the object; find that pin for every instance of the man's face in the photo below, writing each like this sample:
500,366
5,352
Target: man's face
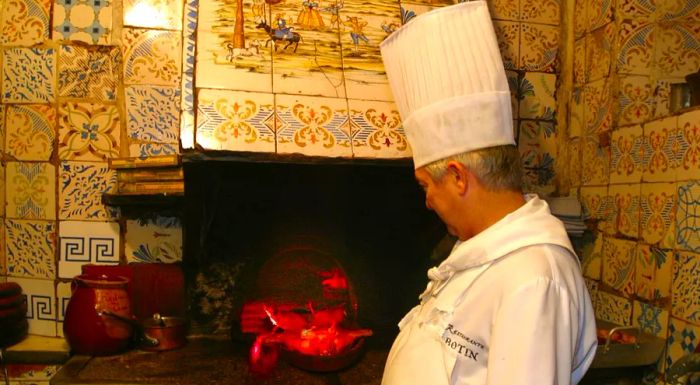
440,196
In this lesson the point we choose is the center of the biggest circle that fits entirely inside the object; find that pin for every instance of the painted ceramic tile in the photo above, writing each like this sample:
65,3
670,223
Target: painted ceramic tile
88,21
619,258
592,259
41,305
636,9
411,10
360,35
574,162
580,63
160,14
539,47
626,197
613,308
153,113
538,149
662,151
537,11
187,123
83,243
31,131
679,9
596,202
31,191
592,287
627,155
653,273
63,294
505,10
537,96
152,57
158,240
221,63
599,104
599,13
596,162
376,130
689,135
236,121
662,98
190,22
682,340
677,48
514,86
636,52
636,100
688,217
24,22
686,287
81,185
598,51
144,150
88,72
30,248
577,118
312,126
580,22
88,131
658,214
508,35
28,75
650,319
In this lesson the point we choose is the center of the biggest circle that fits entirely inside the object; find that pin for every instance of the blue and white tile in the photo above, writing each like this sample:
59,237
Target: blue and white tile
156,240
87,21
153,113
81,185
685,301
145,150
31,248
41,305
28,75
682,340
81,243
650,319
688,216
89,72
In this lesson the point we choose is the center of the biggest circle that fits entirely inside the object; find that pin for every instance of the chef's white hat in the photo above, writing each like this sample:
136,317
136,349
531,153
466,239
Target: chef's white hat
448,81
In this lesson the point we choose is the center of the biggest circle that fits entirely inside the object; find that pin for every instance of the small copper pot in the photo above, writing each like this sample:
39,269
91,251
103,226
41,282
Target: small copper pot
169,332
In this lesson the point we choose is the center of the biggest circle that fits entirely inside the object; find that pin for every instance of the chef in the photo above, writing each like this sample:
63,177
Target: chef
509,305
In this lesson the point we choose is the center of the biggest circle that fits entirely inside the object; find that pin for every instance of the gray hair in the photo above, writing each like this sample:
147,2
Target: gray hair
497,168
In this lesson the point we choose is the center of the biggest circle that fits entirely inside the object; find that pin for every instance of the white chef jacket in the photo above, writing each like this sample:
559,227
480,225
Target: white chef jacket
507,307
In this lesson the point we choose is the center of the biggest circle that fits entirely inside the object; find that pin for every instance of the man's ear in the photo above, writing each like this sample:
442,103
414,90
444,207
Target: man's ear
460,176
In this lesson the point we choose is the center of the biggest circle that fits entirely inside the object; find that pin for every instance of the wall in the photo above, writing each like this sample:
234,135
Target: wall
633,164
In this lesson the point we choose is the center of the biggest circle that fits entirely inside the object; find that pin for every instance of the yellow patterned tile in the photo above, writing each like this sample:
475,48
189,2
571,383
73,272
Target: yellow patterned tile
88,131
662,150
685,302
152,57
580,63
599,103
31,190
613,308
540,11
537,96
635,54
650,319
689,136
598,52
31,131
596,162
508,36
539,47
505,9
580,22
676,48
627,155
619,257
658,214
626,198
636,99
598,13
24,22
376,130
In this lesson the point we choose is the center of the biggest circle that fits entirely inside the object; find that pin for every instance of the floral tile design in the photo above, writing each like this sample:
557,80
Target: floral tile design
88,131
627,155
682,340
577,118
599,13
596,162
677,48
619,258
63,294
30,131
636,9
636,100
658,214
538,148
312,126
144,150
662,98
81,185
376,130
536,94
30,248
596,203
31,191
157,14
506,10
636,52
650,319
545,12
154,240
539,47
613,308
87,21
653,273
153,113
28,75
689,136
83,243
598,51
580,22
508,36
41,305
685,291
88,72
599,103
514,86
236,121
24,22
679,10
580,63
152,57
688,216
626,197
662,151
592,259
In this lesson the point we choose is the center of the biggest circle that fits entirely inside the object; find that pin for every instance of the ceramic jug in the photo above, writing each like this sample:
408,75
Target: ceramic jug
87,330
